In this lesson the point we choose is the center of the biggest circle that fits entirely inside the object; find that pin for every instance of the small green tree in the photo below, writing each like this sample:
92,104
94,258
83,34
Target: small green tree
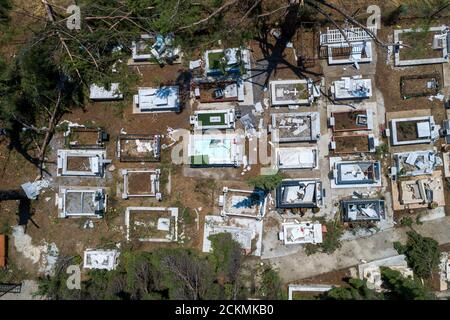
404,288
266,182
407,222
271,285
422,254
311,248
331,239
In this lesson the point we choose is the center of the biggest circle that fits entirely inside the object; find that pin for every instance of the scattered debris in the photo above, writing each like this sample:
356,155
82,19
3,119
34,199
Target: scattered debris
89,224
33,189
45,255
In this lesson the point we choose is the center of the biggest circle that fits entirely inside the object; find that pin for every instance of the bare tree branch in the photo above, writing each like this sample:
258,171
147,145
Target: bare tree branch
326,15
352,20
51,18
274,11
219,10
49,132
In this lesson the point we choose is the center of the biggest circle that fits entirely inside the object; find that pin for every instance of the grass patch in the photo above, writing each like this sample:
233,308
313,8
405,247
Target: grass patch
420,41
205,119
215,59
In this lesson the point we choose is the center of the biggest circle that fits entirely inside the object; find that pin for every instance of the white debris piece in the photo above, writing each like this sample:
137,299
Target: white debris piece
195,64
163,224
33,189
258,107
244,161
144,146
89,224
100,259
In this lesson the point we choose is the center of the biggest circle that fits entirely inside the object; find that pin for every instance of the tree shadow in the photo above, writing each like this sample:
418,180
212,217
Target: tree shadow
273,53
17,144
25,213
183,81
23,148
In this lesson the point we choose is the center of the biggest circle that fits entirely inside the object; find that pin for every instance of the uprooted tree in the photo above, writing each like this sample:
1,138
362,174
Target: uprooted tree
66,61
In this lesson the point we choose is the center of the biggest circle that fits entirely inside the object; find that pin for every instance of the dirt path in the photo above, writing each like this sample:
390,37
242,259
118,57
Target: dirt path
378,246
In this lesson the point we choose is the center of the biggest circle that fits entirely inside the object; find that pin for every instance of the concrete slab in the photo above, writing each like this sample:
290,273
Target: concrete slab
446,74
433,214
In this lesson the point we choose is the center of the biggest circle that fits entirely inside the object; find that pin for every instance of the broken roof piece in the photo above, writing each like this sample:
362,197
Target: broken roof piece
295,127
33,189
416,163
355,174
301,233
362,210
163,99
351,88
100,259
301,193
